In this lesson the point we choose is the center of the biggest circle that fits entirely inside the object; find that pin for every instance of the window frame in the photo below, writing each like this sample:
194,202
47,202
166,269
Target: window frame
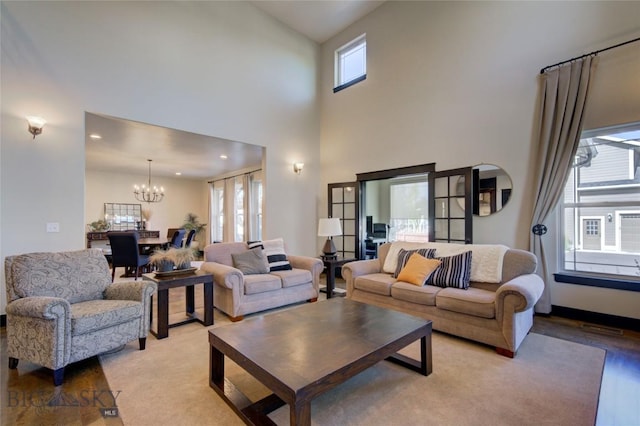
338,82
590,278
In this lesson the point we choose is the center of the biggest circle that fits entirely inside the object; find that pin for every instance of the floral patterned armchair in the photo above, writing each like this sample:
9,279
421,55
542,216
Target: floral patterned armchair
62,307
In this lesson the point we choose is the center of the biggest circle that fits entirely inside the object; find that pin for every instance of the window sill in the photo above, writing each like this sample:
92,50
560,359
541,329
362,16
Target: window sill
628,284
350,83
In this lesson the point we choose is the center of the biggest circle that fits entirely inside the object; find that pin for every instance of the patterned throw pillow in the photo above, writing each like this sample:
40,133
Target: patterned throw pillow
454,271
404,255
274,249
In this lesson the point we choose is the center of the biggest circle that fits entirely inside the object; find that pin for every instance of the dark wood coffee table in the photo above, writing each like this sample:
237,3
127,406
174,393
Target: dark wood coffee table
303,352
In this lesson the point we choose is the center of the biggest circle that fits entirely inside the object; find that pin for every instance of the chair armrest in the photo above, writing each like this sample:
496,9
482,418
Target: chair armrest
352,270
311,264
224,275
130,290
49,308
526,289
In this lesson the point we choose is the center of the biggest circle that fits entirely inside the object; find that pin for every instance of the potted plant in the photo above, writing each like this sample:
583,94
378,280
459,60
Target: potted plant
191,222
99,225
163,260
183,257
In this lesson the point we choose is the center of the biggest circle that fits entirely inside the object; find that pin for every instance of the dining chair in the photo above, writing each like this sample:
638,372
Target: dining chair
178,236
125,252
190,235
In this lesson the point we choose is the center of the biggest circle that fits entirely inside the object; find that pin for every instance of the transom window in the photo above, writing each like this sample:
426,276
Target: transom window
601,204
351,63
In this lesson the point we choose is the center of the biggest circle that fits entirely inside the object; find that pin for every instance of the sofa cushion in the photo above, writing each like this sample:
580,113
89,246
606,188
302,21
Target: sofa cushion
95,315
250,262
404,255
260,283
379,283
424,295
276,255
455,271
473,301
418,269
293,277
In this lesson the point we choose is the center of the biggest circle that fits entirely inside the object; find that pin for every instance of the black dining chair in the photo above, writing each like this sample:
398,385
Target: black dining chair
125,252
178,236
190,235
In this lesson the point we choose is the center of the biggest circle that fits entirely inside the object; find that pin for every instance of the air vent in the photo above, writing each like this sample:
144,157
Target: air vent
600,329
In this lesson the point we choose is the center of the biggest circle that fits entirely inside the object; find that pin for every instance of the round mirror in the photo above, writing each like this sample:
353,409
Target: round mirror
491,189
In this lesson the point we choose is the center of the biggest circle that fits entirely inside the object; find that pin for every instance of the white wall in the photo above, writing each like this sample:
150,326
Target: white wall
455,83
182,196
223,69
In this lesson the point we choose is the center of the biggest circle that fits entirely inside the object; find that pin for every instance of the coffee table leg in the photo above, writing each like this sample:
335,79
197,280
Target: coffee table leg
300,414
216,368
331,280
426,365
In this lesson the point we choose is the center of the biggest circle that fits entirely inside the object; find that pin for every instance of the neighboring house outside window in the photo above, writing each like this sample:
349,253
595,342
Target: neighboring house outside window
351,63
601,205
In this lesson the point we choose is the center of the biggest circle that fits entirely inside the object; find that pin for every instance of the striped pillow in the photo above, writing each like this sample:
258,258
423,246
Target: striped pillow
454,271
274,249
404,255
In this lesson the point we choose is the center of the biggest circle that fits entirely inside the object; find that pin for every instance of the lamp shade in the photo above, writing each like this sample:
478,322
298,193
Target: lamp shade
329,227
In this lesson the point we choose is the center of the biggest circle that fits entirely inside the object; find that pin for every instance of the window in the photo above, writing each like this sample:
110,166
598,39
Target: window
409,200
217,211
601,204
351,63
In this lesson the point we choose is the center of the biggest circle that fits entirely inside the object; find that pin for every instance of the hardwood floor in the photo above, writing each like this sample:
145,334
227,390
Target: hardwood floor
29,397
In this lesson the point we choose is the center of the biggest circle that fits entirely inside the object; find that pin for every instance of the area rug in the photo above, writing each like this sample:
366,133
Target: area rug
549,382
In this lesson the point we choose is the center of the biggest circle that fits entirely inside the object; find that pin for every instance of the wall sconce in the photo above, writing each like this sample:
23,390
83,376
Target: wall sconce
35,125
297,168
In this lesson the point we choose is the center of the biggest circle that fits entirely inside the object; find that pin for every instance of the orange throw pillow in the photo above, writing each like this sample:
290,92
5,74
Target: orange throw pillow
418,269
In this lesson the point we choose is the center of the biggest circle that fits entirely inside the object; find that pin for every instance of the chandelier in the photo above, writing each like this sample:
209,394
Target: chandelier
147,193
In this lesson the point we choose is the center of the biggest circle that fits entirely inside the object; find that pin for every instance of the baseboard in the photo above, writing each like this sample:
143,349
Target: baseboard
596,318
3,320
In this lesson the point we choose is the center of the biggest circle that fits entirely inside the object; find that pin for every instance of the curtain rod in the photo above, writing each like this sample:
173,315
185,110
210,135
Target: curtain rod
589,54
234,176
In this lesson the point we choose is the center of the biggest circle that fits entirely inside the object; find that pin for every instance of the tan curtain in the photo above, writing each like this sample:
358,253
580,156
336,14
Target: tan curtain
563,96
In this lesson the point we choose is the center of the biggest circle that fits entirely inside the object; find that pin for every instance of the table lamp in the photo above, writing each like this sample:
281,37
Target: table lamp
328,228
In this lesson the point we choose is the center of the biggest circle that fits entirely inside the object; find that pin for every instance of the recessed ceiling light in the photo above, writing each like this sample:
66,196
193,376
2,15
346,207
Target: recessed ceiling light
178,174
95,136
224,157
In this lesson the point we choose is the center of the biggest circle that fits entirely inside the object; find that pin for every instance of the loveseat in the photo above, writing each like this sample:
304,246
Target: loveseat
495,309
62,307
244,286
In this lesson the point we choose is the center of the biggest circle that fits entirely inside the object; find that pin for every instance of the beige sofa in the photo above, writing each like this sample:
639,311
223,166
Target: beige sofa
497,313
237,294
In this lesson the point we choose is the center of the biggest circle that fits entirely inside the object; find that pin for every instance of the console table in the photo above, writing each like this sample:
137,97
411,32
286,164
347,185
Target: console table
102,236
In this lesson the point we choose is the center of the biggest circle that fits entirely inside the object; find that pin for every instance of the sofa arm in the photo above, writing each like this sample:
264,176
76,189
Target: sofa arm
49,308
130,290
352,270
311,264
527,289
224,275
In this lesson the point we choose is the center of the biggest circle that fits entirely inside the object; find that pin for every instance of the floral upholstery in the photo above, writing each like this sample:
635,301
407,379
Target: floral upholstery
62,307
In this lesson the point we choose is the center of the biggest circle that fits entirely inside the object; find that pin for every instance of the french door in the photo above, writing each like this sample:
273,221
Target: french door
344,204
451,206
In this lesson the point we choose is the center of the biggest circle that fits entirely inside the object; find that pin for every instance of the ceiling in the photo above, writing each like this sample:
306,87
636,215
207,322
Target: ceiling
125,145
318,19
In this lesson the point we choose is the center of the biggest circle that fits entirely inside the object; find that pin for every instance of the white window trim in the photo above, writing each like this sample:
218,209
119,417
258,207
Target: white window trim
337,60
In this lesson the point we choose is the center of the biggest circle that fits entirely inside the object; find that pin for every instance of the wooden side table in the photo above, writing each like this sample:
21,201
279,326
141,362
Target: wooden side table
187,281
330,266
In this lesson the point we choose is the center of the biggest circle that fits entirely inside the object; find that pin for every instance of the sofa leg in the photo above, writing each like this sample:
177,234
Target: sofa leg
143,343
13,363
315,299
505,352
236,319
58,376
